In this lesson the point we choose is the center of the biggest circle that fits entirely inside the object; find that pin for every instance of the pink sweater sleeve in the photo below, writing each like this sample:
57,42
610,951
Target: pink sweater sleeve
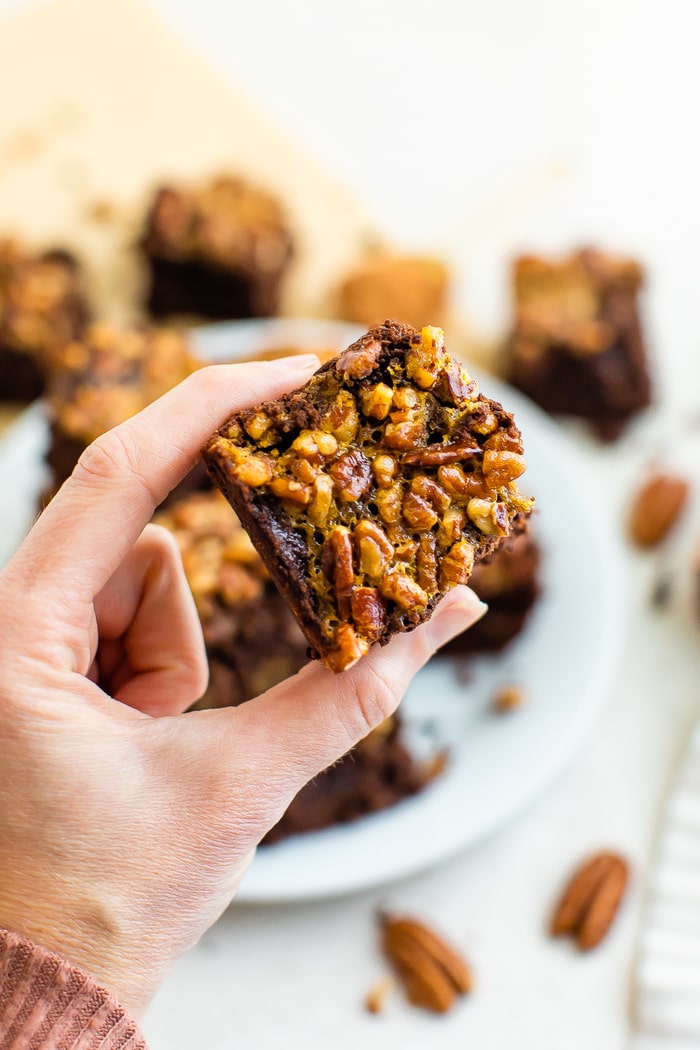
48,1004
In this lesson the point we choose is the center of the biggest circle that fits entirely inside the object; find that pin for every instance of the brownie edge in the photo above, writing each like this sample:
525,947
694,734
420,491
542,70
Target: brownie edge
373,489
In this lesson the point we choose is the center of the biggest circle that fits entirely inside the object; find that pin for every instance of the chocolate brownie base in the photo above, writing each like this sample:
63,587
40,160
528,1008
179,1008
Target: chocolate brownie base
577,346
193,289
372,490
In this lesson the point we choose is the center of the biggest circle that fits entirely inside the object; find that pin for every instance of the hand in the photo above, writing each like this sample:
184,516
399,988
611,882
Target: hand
125,825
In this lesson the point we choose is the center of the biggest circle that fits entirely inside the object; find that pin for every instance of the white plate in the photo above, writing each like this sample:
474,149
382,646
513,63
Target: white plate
565,658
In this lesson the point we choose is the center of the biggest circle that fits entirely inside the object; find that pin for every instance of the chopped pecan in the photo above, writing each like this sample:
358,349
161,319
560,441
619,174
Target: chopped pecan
389,503
348,648
294,491
490,517
321,500
417,512
254,470
376,997
315,445
368,613
504,441
399,588
436,455
431,492
591,900
426,562
343,419
374,549
337,565
500,468
385,469
359,360
432,973
405,435
454,479
353,474
451,526
656,508
508,698
376,401
457,564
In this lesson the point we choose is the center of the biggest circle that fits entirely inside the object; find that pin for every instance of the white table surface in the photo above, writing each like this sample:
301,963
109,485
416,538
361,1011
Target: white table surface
478,129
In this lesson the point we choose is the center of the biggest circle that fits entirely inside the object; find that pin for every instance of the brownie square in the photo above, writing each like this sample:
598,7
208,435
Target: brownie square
218,250
42,303
576,347
373,489
104,378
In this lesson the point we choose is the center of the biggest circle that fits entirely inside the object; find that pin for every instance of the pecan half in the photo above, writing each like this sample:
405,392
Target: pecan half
437,455
337,564
591,900
656,508
432,973
353,474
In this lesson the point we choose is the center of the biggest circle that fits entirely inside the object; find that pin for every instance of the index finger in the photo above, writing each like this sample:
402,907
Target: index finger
95,518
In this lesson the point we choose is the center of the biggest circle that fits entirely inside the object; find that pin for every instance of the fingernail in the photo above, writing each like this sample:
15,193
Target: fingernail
457,611
298,362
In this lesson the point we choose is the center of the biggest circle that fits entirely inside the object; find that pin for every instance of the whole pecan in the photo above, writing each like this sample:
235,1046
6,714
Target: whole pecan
656,508
432,973
591,900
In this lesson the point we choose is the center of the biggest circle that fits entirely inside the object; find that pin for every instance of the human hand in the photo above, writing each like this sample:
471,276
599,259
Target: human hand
126,825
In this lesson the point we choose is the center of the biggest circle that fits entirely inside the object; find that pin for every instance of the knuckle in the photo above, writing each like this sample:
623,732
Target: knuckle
112,458
376,693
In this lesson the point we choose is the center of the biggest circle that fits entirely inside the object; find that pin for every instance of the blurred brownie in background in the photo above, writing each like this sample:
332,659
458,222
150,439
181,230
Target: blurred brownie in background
412,287
576,347
508,581
252,639
42,302
105,378
253,642
219,251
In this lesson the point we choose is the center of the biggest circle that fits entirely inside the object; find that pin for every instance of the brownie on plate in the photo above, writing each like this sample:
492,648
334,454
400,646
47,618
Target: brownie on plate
104,378
576,347
218,250
413,287
253,642
373,489
42,302
508,581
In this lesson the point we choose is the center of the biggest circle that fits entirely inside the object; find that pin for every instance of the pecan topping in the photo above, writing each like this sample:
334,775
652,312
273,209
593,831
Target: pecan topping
337,564
432,973
353,475
426,562
360,359
399,588
656,508
368,613
591,900
436,455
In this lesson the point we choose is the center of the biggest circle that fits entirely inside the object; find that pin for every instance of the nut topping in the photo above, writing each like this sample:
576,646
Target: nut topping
376,401
337,564
399,588
457,565
368,613
489,517
353,475
432,973
500,468
418,513
385,469
591,900
435,455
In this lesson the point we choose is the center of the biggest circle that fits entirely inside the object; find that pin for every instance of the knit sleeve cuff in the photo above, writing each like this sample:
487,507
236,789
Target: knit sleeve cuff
46,1003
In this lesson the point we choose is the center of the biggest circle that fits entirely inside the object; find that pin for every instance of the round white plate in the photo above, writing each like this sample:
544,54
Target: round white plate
565,659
